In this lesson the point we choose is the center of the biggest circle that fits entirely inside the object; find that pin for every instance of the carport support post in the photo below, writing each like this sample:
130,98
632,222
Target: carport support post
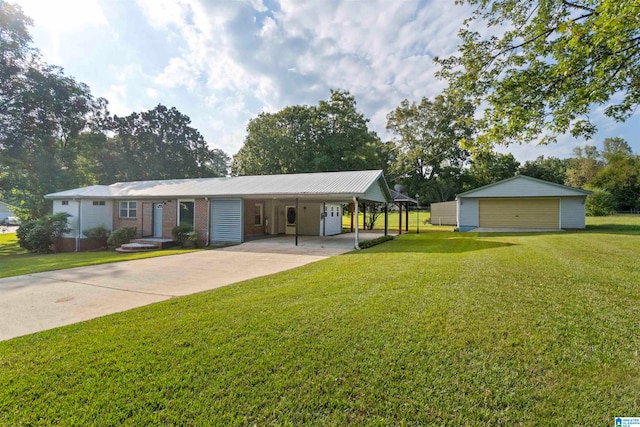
356,245
351,211
406,222
297,219
364,215
386,219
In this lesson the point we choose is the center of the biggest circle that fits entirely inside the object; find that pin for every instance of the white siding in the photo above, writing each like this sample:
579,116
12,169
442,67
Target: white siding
572,212
468,216
523,187
375,193
226,220
4,212
71,209
94,216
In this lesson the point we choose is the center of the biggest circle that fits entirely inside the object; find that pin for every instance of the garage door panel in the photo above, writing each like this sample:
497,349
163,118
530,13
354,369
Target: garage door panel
226,220
520,213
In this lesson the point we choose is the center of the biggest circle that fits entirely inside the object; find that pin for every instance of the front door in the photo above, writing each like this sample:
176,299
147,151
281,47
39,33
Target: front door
157,219
290,219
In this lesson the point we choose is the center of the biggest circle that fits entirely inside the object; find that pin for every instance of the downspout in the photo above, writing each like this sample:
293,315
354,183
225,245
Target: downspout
323,215
355,202
206,199
79,225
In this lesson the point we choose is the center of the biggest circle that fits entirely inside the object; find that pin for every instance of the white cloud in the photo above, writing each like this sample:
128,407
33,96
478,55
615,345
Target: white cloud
152,93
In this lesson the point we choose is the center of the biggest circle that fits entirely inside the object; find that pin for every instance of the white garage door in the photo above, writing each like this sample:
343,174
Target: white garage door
226,221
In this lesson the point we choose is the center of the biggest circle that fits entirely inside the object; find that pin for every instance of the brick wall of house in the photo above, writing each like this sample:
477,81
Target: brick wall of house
169,217
127,222
250,228
146,225
201,220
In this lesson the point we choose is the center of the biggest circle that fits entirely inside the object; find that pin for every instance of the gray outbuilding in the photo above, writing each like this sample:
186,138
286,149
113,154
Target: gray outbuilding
522,202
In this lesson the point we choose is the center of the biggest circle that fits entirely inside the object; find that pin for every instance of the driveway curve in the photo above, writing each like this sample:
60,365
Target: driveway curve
41,301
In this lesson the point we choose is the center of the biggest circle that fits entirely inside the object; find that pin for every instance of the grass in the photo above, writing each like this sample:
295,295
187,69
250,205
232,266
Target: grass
15,261
428,329
414,218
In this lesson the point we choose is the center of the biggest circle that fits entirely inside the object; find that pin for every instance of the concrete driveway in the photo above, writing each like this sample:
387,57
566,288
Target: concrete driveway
41,301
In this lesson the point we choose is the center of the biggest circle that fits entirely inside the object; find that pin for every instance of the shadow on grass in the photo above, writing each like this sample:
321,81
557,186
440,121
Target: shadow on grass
435,244
630,229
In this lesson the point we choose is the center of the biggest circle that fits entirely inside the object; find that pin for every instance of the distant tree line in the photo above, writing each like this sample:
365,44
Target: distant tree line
54,135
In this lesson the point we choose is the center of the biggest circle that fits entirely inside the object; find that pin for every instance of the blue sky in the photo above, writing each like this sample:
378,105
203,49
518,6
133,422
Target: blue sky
222,62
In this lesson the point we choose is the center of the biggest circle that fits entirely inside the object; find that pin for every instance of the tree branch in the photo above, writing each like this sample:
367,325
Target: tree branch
578,6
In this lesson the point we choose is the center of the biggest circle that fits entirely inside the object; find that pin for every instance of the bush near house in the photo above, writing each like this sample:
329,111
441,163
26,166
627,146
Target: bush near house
100,233
121,236
600,203
41,235
184,235
373,242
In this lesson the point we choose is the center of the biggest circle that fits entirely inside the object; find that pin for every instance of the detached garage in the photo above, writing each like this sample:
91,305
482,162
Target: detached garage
522,202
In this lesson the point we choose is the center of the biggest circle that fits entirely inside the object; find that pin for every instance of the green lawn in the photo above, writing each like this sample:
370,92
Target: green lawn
429,329
15,260
414,218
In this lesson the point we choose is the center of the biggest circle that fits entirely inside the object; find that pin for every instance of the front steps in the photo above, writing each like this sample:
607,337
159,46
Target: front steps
145,245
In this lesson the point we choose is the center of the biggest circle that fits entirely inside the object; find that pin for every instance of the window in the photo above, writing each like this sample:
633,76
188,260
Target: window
98,203
186,213
65,203
128,209
258,210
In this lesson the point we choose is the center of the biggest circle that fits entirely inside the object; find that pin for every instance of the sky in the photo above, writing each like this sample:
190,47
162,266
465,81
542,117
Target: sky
222,62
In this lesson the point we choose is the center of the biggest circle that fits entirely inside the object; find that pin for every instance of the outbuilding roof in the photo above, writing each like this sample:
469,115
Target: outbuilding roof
524,186
367,185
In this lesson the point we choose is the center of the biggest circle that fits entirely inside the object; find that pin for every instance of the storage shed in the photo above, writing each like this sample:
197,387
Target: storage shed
522,202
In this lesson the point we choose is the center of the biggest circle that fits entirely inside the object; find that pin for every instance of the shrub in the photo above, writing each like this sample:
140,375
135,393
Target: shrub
369,243
40,235
181,234
121,236
600,203
100,232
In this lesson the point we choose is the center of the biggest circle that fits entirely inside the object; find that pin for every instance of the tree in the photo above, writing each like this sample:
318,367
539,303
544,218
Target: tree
42,111
550,169
488,167
552,62
584,166
159,144
620,175
428,136
329,137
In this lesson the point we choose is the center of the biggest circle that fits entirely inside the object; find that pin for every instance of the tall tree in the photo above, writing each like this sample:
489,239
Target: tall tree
621,174
429,139
584,166
488,167
160,144
550,169
550,64
329,137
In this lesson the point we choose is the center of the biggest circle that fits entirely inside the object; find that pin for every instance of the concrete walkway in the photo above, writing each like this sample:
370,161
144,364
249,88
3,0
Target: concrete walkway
41,301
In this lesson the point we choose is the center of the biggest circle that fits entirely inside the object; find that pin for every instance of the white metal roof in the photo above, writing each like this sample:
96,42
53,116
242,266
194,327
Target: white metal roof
369,184
524,186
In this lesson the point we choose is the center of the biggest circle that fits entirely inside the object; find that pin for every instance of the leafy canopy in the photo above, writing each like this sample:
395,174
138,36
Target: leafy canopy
550,64
332,136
